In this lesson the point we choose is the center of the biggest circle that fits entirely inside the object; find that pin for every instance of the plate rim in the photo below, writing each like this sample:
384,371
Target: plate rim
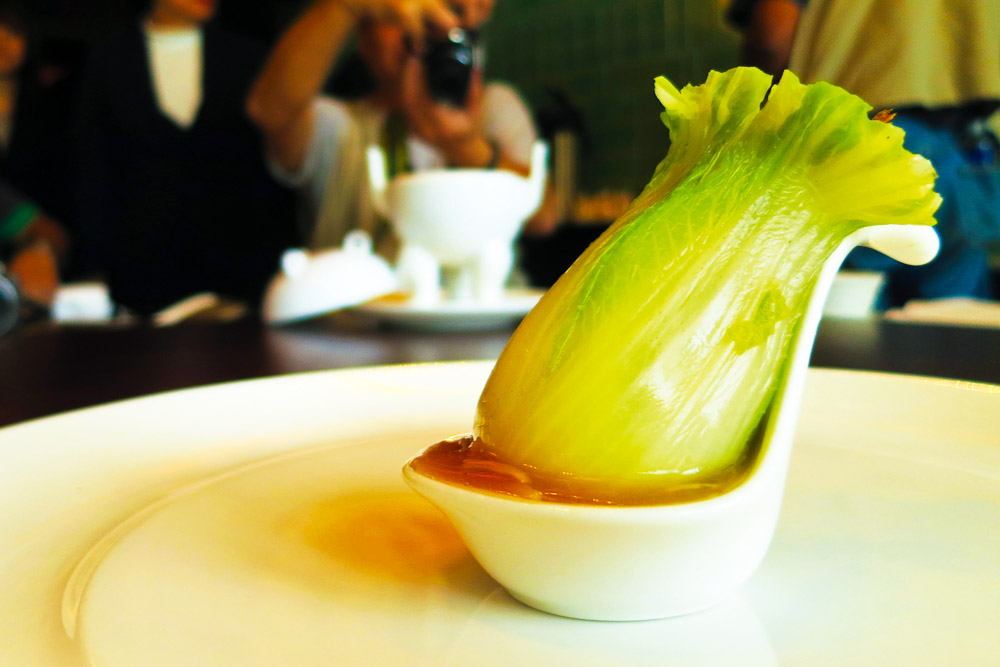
14,436
16,427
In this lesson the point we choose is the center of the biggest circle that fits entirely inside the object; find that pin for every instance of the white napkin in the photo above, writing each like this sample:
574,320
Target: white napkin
958,310
82,302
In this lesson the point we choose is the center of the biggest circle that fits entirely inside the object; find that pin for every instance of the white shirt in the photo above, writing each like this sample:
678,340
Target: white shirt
900,53
175,63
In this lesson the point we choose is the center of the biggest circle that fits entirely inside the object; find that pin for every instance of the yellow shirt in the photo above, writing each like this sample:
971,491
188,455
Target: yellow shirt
897,53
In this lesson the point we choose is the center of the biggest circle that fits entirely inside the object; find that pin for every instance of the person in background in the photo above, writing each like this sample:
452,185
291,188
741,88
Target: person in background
936,64
35,119
174,198
33,245
317,143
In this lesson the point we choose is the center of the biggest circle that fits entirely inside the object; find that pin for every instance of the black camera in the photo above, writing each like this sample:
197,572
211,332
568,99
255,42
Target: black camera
449,63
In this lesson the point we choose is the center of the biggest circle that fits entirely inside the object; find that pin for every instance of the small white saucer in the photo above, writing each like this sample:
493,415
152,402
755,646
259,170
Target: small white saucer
399,311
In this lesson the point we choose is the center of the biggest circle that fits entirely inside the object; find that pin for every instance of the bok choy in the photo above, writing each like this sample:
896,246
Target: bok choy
657,354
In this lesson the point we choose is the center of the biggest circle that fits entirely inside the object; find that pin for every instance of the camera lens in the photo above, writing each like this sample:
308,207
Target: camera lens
448,64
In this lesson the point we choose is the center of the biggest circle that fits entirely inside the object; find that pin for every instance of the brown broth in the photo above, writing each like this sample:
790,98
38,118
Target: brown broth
464,461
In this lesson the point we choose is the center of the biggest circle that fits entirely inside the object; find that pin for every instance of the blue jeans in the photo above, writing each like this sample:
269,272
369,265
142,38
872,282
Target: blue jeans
968,219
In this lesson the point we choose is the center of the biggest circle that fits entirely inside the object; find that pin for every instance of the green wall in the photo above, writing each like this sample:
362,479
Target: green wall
604,54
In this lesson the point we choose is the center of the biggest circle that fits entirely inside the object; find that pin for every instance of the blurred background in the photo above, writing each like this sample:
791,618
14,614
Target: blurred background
601,66
584,67
592,85
595,78
585,70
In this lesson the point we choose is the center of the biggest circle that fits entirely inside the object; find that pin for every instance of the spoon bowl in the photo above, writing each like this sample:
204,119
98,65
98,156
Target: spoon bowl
646,562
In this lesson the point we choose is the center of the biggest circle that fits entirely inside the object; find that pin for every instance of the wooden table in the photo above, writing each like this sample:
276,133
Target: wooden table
46,369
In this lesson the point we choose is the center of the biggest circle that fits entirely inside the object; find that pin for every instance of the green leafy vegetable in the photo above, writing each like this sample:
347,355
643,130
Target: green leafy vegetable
657,354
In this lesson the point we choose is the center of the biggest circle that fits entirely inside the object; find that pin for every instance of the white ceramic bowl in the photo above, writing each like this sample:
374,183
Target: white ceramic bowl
453,213
615,564
632,563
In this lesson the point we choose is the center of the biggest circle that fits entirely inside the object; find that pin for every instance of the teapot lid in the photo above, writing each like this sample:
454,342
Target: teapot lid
315,283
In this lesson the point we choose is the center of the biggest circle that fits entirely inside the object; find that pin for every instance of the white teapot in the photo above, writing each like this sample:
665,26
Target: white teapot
319,282
465,219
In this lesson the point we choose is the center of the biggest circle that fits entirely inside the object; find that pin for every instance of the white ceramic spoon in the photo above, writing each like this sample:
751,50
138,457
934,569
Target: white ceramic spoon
633,563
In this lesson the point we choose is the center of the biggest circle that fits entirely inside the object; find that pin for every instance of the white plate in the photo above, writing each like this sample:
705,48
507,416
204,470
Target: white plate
270,526
451,315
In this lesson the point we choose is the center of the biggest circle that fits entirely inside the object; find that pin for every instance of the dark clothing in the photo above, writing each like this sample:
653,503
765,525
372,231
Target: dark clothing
16,211
740,12
16,216
168,212
38,159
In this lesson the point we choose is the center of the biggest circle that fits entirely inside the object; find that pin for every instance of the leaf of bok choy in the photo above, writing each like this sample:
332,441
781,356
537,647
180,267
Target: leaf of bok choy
655,357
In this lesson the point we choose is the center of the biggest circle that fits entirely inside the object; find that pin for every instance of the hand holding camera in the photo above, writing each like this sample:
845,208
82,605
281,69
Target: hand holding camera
439,89
454,129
